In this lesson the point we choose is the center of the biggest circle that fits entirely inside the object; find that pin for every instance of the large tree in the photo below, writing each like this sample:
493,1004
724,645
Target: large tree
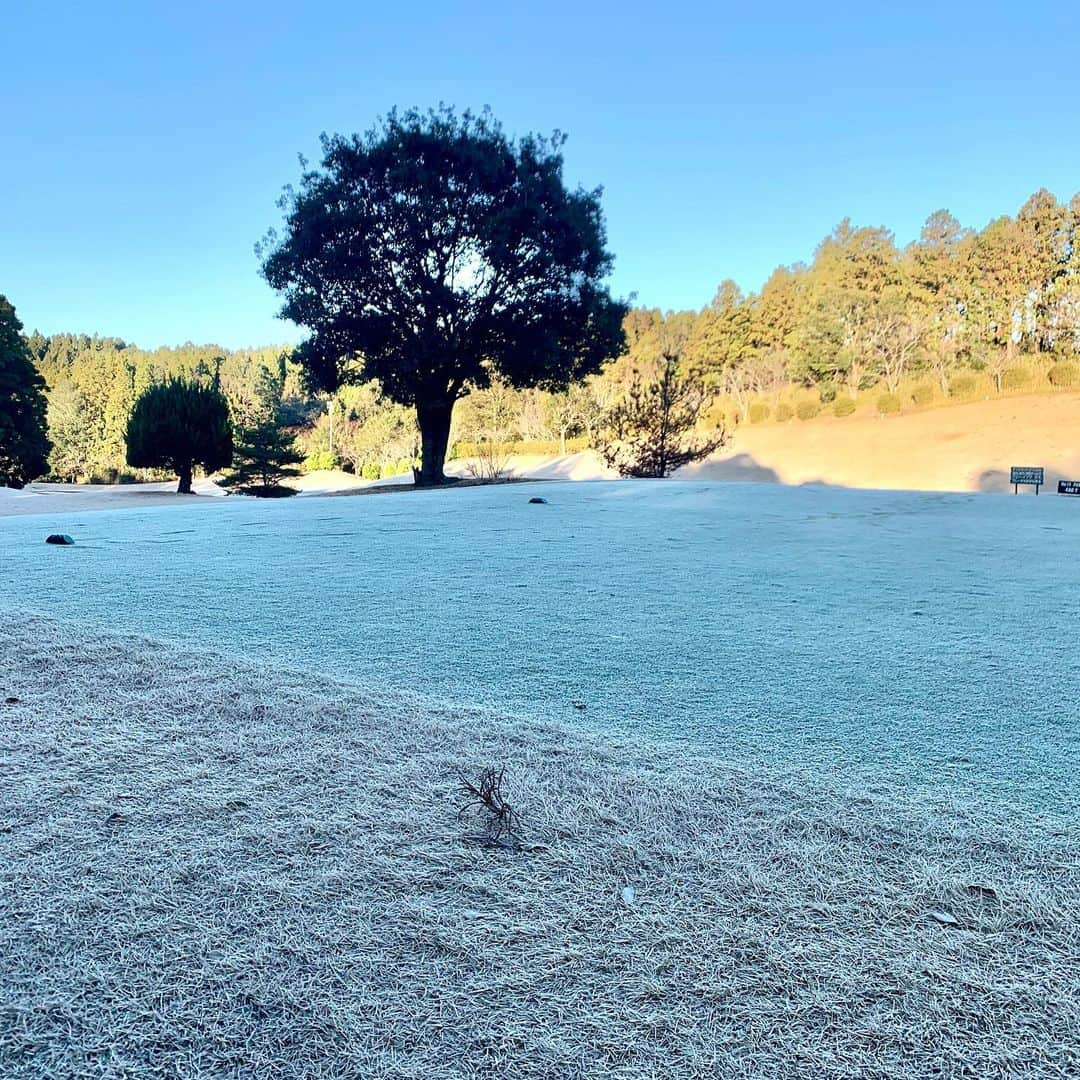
434,253
178,424
24,446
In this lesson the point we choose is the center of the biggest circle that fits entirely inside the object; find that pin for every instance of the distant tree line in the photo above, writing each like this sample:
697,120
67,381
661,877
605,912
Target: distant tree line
861,322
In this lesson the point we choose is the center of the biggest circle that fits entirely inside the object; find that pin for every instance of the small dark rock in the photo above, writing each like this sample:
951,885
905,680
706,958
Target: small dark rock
578,704
11,701
537,500
59,538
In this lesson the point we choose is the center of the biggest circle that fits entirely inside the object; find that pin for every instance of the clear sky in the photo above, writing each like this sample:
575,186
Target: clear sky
144,144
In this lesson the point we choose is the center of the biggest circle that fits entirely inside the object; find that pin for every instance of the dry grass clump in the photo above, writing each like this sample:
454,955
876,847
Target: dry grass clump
210,869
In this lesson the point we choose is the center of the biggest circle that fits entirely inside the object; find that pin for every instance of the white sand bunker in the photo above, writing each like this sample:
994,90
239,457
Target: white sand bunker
214,870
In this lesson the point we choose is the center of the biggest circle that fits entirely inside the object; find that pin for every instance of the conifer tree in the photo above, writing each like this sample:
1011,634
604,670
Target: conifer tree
178,424
651,432
264,455
24,446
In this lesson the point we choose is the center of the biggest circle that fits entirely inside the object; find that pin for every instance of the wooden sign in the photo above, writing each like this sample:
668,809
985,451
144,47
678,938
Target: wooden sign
1026,474
1069,487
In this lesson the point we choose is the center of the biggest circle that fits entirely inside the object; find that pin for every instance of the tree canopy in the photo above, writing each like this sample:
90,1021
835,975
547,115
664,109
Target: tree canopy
434,253
179,424
24,445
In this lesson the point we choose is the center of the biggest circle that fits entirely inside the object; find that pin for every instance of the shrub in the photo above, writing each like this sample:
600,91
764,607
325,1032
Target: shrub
1015,378
807,410
843,406
784,412
370,471
923,394
827,394
1063,374
759,412
888,404
321,459
962,386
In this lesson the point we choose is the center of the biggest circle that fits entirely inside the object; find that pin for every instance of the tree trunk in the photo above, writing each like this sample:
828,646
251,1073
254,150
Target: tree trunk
184,487
434,420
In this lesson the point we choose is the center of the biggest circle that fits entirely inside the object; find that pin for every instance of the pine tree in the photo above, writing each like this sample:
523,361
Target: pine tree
264,456
24,446
178,424
651,431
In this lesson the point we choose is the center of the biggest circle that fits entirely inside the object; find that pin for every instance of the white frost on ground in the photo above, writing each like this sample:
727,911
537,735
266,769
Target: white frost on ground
830,738
923,640
210,869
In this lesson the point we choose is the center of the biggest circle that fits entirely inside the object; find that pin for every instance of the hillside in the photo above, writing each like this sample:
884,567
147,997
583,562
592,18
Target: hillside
965,447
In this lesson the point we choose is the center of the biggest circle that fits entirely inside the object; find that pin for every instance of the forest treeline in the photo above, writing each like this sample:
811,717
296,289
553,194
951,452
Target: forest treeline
865,326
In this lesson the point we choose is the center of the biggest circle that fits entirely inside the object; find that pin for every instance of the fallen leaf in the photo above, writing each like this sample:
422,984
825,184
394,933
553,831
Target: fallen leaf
944,918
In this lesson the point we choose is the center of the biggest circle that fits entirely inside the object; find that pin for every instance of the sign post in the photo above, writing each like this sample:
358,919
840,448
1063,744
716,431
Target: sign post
1069,487
1026,474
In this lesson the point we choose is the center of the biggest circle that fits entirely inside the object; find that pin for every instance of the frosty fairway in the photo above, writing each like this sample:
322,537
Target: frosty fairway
916,639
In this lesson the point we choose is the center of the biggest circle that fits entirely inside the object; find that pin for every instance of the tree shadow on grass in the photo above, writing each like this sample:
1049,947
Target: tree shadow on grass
739,467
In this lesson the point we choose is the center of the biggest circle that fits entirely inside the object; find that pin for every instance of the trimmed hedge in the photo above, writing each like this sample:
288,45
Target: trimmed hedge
889,404
807,410
784,412
843,406
759,412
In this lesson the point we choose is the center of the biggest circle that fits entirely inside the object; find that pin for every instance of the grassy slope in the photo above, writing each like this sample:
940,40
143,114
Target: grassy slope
965,447
211,869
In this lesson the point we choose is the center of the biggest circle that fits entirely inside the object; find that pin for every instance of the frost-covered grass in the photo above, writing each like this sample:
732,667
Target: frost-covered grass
891,639
210,868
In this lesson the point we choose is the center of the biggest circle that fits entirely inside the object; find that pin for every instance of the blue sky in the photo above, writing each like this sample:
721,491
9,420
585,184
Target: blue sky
144,145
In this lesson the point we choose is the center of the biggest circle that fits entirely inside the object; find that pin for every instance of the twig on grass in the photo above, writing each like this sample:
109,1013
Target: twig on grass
499,818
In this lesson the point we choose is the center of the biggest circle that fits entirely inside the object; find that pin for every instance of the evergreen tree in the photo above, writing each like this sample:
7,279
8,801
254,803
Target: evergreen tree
178,424
263,456
71,451
651,431
24,446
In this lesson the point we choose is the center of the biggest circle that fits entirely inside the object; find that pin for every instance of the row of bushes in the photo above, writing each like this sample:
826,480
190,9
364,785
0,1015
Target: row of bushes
1062,376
